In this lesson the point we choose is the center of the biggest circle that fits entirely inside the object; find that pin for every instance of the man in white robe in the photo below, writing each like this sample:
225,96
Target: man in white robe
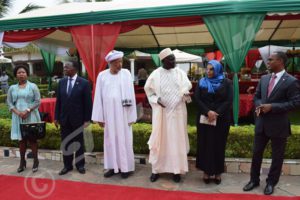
167,89
115,110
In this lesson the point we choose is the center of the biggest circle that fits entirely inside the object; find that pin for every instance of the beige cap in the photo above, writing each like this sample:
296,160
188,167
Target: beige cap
164,53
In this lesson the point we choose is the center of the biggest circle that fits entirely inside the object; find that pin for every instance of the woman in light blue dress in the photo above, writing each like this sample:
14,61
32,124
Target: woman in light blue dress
23,100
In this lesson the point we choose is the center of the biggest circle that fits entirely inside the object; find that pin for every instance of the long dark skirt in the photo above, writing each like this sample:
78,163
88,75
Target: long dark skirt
211,143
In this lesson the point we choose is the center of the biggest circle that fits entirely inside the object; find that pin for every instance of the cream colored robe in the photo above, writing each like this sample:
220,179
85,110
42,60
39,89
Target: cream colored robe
168,143
107,108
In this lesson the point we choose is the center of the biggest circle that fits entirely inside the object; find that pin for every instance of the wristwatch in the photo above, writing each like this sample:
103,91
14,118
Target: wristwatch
28,109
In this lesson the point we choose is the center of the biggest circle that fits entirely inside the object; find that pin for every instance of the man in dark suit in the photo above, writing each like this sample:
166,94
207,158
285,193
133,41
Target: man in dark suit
276,95
73,113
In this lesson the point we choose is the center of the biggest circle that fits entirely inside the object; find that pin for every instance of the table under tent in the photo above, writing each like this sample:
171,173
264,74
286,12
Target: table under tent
98,27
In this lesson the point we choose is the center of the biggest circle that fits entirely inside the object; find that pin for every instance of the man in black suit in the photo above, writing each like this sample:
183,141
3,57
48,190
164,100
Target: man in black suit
73,113
276,95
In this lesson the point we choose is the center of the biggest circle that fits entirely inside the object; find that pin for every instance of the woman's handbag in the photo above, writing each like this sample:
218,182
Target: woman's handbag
33,131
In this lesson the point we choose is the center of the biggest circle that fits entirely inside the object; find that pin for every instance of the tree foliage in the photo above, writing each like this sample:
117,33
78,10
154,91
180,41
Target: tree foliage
31,7
4,7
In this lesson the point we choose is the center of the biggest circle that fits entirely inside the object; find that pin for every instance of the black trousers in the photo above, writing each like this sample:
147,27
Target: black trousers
278,146
72,141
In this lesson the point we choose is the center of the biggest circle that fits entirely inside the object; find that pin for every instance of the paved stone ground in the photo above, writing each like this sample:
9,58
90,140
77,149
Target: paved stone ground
231,183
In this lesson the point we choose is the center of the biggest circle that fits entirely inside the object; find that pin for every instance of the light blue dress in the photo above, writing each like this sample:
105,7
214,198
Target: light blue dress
21,99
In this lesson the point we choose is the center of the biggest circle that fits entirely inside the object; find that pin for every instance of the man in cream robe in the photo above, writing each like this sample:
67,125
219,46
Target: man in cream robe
115,110
167,88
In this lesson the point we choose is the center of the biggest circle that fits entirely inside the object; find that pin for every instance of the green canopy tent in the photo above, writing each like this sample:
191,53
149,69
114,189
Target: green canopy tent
158,24
49,60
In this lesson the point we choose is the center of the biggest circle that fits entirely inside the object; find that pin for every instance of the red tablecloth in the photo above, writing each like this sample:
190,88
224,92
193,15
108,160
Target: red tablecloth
244,85
48,106
139,89
246,105
141,98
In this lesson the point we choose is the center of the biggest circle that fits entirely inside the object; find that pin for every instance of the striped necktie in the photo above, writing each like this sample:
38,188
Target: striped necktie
271,84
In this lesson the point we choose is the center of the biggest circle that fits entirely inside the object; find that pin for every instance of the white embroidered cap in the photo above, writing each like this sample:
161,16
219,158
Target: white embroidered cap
164,53
113,55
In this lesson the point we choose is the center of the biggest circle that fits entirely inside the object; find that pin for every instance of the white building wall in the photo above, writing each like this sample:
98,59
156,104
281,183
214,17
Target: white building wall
26,57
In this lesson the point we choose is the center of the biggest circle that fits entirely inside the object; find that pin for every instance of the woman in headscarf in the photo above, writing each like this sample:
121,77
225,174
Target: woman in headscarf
214,95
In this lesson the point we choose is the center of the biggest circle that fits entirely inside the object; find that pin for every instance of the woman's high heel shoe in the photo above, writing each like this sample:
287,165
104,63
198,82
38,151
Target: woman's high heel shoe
22,166
217,179
206,179
35,166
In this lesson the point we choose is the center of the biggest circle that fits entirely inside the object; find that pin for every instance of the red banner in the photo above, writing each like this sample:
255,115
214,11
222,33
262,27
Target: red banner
93,43
26,36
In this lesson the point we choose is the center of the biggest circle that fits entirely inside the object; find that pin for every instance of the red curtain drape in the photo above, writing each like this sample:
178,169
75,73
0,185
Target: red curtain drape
217,55
251,58
210,55
26,36
162,22
93,43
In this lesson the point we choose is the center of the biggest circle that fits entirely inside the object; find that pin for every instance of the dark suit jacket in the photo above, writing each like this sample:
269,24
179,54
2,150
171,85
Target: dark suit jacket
77,108
285,97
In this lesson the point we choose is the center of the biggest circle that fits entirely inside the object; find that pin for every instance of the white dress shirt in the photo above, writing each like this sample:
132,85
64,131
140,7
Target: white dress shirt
278,77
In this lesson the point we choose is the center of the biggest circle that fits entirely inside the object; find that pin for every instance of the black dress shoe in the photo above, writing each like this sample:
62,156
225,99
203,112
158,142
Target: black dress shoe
81,170
154,177
109,173
250,186
218,180
65,171
176,178
206,180
269,189
124,175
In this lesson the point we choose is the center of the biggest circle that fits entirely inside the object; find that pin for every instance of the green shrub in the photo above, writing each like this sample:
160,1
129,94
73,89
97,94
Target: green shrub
44,93
54,86
4,112
35,79
239,145
42,86
5,140
3,98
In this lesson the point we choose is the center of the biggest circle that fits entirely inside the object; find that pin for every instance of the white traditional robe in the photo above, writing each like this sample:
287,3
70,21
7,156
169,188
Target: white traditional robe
107,108
168,143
